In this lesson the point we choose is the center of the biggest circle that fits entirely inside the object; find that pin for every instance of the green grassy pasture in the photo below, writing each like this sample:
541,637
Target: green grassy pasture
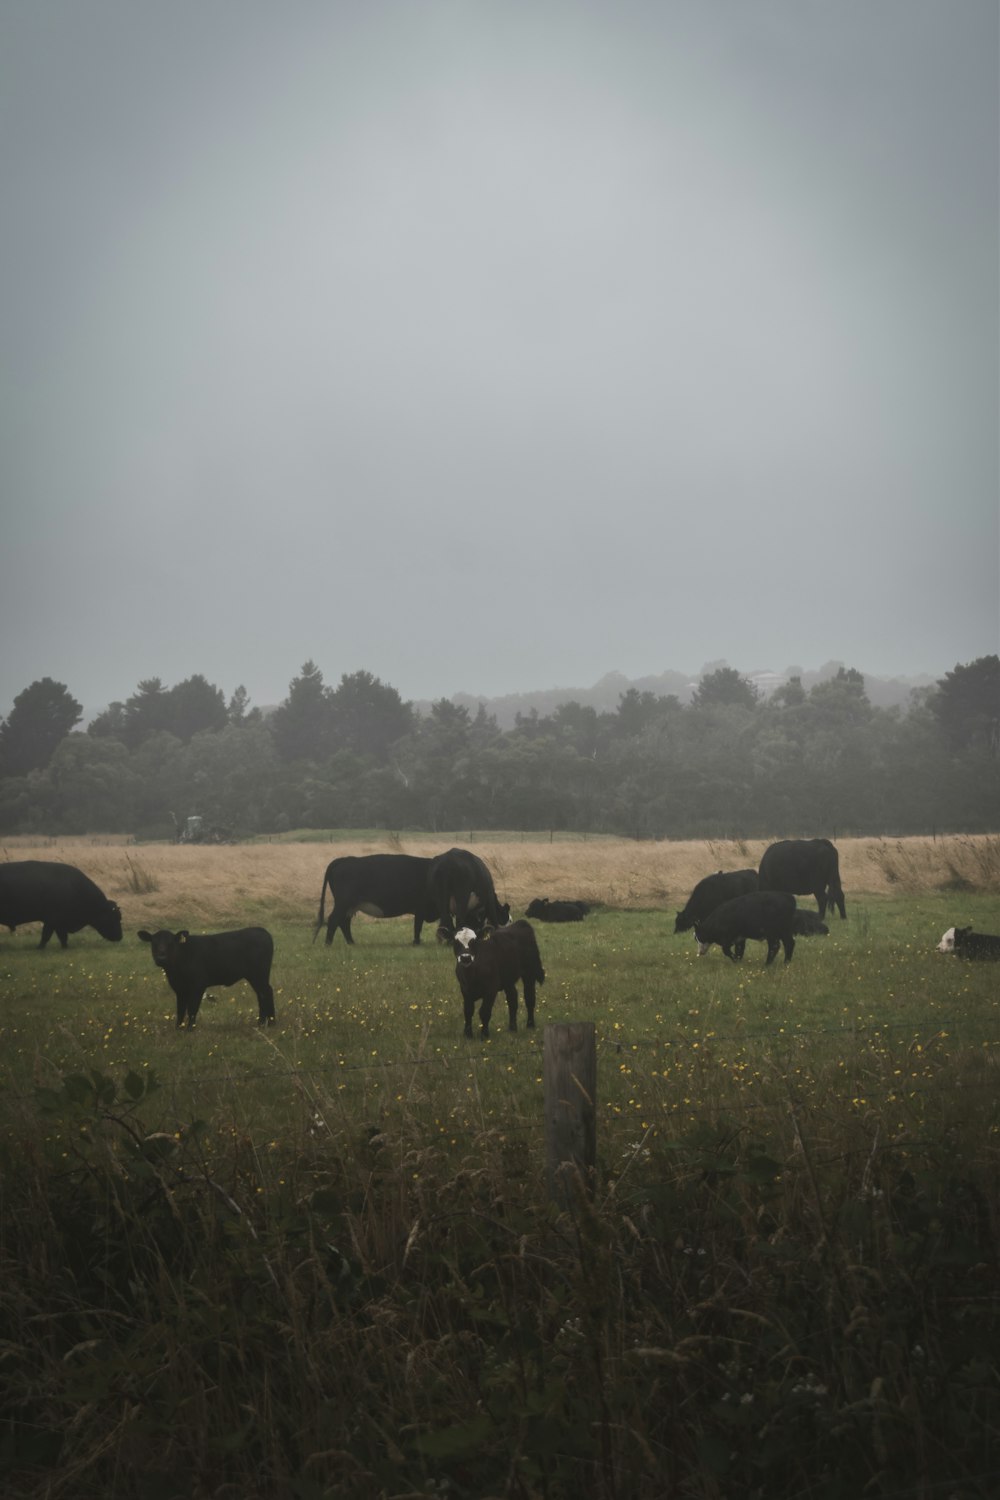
317,1260
377,1028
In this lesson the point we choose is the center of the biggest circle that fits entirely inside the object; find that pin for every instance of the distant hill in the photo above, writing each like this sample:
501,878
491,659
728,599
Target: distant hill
884,692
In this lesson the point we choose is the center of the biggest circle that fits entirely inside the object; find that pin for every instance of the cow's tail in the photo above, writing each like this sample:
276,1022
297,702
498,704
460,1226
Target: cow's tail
322,903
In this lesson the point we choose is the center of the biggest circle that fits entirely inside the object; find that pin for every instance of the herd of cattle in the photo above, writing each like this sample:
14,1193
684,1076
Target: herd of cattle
454,889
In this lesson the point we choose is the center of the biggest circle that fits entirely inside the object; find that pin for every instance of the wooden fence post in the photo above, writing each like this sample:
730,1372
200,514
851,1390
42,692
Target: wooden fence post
569,1069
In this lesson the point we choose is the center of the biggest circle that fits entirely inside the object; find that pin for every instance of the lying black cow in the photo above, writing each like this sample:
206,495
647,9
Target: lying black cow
809,924
711,892
766,916
965,943
557,911
380,885
61,897
804,867
461,891
494,960
196,964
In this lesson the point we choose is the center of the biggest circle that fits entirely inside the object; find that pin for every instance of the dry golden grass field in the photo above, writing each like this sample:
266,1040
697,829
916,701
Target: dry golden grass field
226,883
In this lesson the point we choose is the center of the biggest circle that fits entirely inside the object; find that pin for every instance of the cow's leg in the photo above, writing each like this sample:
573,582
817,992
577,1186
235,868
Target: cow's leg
418,923
485,1011
529,1001
727,949
470,1005
511,993
788,943
773,944
47,931
265,1003
740,947
193,1004
838,897
821,902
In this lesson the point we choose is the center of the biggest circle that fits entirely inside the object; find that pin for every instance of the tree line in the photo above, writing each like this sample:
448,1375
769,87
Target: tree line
728,764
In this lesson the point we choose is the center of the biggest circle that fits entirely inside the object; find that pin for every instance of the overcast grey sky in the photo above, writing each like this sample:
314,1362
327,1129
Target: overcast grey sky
494,346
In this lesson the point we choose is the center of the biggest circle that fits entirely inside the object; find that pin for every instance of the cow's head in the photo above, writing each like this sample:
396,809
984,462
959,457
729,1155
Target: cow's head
467,944
165,945
952,939
109,923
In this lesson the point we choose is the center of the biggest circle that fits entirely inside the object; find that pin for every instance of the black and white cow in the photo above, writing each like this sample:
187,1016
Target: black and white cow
461,891
965,943
494,960
766,916
557,911
380,885
59,896
196,964
804,867
709,893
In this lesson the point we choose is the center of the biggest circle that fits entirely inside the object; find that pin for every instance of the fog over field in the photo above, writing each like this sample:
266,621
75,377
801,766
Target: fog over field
496,348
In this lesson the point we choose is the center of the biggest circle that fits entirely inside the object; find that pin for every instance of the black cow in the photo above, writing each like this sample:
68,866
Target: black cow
804,867
965,943
711,892
196,964
461,891
767,916
61,897
380,885
809,924
557,911
495,960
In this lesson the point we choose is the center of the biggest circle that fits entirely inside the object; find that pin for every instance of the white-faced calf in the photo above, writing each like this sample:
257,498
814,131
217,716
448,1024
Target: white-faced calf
196,964
965,943
495,960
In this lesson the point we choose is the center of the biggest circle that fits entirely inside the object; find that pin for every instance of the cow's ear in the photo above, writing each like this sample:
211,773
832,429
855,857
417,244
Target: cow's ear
182,937
144,936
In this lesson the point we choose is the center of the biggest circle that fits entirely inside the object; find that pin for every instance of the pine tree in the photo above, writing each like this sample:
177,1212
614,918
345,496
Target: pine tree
42,716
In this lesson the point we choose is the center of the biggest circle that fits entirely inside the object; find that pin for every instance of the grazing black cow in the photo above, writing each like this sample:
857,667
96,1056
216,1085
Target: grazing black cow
380,885
61,897
557,911
495,960
965,943
804,867
460,889
711,892
196,964
767,916
809,924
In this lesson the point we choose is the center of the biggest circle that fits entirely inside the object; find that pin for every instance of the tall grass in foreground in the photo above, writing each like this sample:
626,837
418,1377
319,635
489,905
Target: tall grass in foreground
319,1262
777,1302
